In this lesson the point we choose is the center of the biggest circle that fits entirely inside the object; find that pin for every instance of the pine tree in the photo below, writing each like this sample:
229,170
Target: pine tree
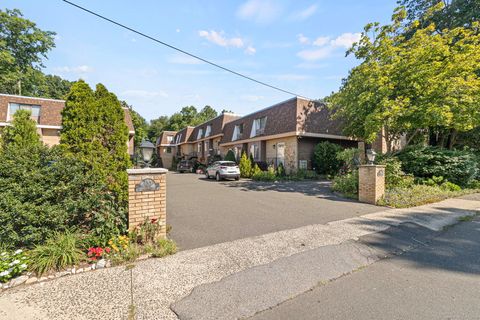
95,132
22,133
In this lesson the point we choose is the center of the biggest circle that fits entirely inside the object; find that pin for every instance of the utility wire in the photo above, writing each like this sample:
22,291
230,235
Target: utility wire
180,50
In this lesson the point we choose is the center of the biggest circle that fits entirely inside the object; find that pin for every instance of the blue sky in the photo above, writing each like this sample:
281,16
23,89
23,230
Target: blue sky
297,45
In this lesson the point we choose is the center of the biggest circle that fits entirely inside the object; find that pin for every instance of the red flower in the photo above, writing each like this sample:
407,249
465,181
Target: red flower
107,250
154,220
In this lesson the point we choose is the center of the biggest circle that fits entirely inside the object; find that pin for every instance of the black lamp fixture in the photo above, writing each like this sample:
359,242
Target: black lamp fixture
146,149
371,154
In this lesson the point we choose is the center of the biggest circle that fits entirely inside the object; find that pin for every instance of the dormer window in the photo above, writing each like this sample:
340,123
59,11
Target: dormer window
14,107
258,127
208,131
178,139
200,134
169,139
237,132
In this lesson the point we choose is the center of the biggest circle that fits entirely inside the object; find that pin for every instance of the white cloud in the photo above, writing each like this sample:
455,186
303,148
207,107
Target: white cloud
250,50
302,39
305,13
346,40
260,11
315,54
321,41
77,69
183,59
219,39
328,46
144,94
177,30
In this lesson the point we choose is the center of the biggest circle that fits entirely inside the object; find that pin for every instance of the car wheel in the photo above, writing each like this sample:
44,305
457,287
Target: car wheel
237,178
217,176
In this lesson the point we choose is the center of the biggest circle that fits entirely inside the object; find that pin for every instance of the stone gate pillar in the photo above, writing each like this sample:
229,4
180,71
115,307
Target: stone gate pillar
371,183
147,197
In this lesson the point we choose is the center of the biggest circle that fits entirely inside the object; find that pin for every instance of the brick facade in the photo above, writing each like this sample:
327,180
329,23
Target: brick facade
371,183
147,204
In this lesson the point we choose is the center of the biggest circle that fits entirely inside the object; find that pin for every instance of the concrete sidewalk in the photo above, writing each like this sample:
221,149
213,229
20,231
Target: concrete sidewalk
159,283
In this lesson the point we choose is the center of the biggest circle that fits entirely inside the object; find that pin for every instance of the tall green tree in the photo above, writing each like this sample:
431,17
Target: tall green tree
95,132
207,113
22,133
23,46
156,127
139,123
453,14
411,84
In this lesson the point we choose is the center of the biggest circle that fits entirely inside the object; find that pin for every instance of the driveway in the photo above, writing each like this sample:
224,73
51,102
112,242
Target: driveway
204,212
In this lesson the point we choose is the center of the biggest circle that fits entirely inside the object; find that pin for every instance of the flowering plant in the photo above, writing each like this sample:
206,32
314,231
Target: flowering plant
119,243
12,264
96,253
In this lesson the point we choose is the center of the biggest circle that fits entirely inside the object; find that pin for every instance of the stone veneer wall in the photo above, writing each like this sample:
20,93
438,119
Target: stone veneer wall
147,204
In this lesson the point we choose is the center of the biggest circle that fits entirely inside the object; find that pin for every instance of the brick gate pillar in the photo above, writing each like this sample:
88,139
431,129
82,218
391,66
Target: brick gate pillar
147,197
371,183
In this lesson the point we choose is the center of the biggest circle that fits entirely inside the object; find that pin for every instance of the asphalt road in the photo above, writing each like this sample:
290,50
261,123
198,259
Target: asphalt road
438,279
204,212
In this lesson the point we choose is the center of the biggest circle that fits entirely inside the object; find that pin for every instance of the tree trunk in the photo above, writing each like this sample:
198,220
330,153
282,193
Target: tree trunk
452,138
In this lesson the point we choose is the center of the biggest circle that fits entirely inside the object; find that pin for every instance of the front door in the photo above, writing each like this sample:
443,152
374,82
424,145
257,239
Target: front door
281,153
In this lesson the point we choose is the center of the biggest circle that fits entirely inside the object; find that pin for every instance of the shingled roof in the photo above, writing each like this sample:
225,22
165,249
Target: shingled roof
217,124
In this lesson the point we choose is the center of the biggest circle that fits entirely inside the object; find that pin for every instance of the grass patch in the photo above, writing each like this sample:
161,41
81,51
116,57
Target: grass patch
468,218
417,195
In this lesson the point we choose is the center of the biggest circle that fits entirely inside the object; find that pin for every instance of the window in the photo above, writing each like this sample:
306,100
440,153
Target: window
199,148
237,132
207,146
258,126
169,139
200,134
169,149
208,131
255,152
14,107
179,138
302,164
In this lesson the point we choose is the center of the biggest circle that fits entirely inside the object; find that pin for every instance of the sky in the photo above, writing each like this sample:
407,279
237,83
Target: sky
296,45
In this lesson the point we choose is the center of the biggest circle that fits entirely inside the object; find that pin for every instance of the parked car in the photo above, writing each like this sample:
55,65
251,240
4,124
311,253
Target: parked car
185,166
222,170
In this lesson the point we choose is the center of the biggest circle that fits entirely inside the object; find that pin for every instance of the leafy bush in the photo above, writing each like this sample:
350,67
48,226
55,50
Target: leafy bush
59,251
12,264
350,159
230,156
459,167
449,186
347,184
245,165
42,191
417,195
394,176
325,158
268,175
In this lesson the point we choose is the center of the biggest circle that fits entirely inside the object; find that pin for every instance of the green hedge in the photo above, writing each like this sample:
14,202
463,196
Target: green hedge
459,167
43,191
325,158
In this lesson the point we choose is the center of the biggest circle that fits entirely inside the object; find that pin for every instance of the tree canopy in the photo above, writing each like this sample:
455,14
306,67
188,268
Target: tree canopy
95,132
411,84
22,133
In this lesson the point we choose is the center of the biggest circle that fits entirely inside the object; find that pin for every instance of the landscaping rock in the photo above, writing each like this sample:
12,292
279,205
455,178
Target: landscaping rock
51,277
31,280
18,281
62,273
73,271
79,270
101,264
42,279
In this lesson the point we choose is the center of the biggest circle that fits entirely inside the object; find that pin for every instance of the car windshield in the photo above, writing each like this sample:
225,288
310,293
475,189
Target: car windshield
184,162
228,164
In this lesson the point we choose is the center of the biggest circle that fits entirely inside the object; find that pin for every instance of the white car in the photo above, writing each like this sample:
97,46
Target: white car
222,170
